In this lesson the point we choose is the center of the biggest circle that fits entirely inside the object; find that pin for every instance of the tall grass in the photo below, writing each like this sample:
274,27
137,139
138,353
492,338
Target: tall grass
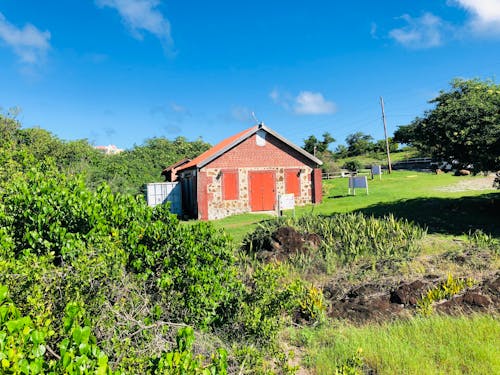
347,237
434,345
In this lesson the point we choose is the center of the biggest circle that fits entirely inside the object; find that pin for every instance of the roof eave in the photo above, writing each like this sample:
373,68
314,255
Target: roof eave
228,147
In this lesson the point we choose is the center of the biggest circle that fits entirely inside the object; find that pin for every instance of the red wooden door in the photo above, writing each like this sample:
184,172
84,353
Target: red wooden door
262,190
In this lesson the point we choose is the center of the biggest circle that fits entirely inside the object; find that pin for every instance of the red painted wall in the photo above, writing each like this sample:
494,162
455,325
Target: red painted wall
203,195
317,186
292,182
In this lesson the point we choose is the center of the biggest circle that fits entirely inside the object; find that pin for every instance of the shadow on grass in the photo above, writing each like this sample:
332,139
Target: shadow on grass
446,215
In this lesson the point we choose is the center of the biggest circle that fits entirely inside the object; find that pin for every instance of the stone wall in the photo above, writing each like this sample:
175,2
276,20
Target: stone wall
219,208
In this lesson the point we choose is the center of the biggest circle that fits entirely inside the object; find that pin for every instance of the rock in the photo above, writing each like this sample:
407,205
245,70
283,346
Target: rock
476,299
409,293
492,286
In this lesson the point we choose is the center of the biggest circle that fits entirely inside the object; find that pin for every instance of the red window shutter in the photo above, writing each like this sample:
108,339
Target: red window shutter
292,182
230,185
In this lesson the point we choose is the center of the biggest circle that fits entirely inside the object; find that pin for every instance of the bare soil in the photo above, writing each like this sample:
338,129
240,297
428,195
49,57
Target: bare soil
388,289
468,183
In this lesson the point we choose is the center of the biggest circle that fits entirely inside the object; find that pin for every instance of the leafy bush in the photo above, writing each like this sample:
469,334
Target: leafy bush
46,213
191,267
182,361
352,165
24,344
270,301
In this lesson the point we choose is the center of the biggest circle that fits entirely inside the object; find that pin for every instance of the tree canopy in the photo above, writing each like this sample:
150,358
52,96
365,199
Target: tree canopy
321,146
359,144
126,172
464,125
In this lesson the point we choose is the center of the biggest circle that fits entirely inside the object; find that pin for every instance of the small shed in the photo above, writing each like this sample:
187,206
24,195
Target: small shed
170,173
246,173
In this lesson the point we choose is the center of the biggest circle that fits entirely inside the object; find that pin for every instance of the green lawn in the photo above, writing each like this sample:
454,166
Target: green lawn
433,345
412,195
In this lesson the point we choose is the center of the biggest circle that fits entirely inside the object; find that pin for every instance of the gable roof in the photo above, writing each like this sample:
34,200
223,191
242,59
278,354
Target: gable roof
228,143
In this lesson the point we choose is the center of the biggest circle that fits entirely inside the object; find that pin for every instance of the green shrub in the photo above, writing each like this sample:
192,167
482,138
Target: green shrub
352,165
308,301
24,345
182,361
270,301
95,234
192,267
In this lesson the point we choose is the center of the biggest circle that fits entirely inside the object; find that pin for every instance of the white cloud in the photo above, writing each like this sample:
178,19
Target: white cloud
275,95
283,99
29,43
485,14
313,103
141,15
305,103
421,32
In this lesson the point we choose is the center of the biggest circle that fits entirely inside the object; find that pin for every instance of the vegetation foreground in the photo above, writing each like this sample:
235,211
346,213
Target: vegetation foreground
93,281
97,282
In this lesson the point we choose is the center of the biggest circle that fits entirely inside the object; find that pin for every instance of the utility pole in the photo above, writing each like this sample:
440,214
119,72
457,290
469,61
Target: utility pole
386,139
314,152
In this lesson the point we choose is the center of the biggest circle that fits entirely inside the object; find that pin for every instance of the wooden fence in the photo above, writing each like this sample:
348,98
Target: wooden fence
345,173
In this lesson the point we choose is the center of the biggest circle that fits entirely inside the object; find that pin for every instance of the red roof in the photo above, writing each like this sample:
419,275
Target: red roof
175,165
218,148
234,140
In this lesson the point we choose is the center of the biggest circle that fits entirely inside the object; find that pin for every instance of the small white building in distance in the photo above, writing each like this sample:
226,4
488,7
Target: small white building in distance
109,149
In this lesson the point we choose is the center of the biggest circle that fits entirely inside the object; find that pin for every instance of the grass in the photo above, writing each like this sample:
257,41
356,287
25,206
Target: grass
411,195
381,157
419,345
434,345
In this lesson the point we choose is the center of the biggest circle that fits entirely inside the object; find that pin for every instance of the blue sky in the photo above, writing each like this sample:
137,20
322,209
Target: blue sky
120,71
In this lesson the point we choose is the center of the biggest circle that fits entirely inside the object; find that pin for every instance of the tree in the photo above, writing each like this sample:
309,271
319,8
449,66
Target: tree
9,127
321,146
359,144
341,152
380,145
464,125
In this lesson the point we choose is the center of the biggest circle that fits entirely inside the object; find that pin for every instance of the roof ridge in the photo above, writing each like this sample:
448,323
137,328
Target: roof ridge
234,140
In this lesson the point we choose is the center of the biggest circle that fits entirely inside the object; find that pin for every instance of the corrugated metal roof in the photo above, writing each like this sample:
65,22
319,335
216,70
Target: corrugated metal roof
236,139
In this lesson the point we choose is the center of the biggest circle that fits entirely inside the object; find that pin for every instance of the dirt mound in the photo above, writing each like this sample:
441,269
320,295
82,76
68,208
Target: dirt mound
384,301
485,297
408,294
286,242
368,302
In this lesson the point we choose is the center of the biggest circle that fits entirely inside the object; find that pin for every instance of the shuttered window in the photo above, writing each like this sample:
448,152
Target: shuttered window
230,185
292,182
